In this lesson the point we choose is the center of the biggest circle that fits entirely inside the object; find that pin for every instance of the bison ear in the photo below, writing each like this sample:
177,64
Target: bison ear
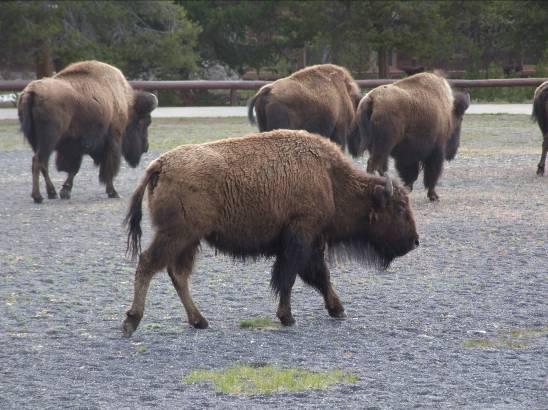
144,103
461,103
380,198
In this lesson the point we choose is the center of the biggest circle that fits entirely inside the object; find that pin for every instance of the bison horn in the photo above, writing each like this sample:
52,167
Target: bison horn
154,101
388,186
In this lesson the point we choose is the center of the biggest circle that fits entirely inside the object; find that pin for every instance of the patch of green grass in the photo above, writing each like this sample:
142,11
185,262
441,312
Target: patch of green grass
247,380
152,326
529,332
168,133
260,323
515,339
140,349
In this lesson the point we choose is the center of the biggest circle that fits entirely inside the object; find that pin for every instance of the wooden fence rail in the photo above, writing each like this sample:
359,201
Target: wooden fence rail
18,85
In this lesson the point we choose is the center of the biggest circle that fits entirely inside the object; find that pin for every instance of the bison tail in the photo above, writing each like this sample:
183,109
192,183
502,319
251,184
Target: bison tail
135,213
24,112
540,112
359,139
261,117
250,107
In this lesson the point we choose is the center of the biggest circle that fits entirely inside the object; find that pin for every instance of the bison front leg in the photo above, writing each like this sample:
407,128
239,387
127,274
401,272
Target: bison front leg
433,167
317,274
408,172
292,258
110,165
542,162
180,277
66,189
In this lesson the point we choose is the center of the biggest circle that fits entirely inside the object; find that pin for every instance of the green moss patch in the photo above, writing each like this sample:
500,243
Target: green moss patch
247,380
260,324
515,339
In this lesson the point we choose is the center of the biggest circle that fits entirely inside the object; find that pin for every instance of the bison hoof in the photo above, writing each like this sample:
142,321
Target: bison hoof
38,199
64,194
52,195
432,196
128,328
337,313
287,320
113,194
201,324
130,324
540,170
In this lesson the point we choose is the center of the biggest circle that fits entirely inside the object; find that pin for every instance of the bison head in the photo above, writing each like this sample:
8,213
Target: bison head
461,102
391,230
135,141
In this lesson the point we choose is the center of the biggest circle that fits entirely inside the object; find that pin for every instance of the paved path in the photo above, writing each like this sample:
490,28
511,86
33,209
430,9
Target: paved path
180,112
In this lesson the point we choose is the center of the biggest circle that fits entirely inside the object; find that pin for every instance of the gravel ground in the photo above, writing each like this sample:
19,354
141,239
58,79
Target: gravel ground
459,323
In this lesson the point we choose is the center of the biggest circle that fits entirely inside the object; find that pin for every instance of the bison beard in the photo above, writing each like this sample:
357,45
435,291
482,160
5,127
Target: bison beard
287,194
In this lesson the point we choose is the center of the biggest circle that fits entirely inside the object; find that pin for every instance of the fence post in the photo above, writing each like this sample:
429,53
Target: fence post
233,96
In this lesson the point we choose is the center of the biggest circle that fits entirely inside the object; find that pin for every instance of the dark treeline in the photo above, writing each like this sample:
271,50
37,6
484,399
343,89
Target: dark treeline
188,38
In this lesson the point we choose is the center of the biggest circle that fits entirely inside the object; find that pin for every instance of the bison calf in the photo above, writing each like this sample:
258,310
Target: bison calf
87,108
321,99
417,121
540,114
287,194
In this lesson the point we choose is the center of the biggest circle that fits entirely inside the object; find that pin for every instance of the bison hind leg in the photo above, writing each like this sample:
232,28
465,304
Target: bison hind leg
179,272
542,162
277,117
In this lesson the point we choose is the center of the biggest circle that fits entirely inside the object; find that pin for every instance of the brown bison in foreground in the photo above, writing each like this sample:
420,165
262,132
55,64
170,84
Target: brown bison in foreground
540,114
417,121
87,108
321,99
287,194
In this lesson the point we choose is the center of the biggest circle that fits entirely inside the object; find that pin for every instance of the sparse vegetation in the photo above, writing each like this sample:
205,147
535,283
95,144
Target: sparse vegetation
260,324
248,380
515,339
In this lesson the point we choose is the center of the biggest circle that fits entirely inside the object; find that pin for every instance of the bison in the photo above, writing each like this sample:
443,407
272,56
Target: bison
417,121
320,99
87,108
540,114
285,193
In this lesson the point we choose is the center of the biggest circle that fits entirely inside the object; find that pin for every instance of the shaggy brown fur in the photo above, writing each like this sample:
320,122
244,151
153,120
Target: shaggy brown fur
87,108
417,121
284,193
321,99
540,114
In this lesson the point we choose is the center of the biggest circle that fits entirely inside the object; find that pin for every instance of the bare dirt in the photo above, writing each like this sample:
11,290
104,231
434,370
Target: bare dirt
462,322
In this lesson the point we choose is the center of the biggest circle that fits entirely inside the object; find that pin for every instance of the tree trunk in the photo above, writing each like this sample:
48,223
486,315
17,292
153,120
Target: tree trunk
43,63
382,62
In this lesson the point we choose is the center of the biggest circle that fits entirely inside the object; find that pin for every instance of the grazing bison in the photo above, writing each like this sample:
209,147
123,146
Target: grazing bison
87,108
284,193
417,121
540,114
321,99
